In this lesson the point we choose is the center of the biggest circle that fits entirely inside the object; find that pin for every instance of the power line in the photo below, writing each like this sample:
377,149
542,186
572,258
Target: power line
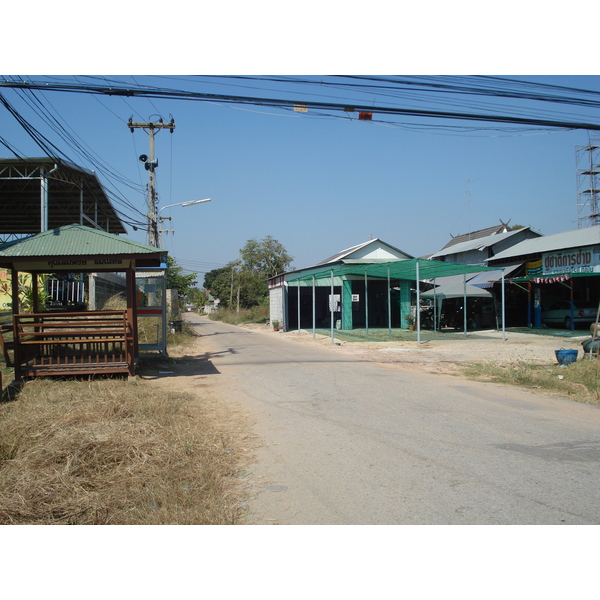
153,92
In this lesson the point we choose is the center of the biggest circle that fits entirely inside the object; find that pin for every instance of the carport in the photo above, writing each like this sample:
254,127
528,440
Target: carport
407,271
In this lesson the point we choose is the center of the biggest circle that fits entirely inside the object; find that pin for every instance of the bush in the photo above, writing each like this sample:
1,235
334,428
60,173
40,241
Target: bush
256,314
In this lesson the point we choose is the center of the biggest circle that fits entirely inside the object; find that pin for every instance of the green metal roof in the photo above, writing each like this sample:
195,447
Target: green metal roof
397,269
73,241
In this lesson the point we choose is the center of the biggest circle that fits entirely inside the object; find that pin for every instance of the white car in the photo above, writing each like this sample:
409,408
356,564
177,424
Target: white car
559,313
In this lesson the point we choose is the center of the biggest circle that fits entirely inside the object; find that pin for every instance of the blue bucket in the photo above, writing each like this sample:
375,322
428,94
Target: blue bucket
565,357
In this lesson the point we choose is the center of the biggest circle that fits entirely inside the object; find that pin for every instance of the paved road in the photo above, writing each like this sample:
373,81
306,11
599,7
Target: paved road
351,442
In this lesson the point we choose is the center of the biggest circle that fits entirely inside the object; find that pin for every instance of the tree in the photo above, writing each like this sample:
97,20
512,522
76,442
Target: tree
177,281
219,283
260,260
267,257
243,282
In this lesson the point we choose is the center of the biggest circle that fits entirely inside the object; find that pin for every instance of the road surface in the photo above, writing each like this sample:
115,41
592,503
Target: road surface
346,441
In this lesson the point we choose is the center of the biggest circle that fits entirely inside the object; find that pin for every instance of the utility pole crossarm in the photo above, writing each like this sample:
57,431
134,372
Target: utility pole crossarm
159,125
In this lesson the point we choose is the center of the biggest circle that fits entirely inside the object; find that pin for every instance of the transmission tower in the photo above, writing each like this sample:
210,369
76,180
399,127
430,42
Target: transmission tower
588,184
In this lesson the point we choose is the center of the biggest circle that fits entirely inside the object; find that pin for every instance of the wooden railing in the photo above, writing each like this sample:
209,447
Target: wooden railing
80,343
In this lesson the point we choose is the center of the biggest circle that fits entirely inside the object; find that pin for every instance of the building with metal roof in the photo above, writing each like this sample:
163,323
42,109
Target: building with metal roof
37,194
566,240
562,266
480,233
367,285
479,249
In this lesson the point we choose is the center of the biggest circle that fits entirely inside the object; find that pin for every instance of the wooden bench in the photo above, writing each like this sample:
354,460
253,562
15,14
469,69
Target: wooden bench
71,344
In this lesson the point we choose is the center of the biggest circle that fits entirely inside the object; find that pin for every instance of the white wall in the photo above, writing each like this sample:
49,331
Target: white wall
276,305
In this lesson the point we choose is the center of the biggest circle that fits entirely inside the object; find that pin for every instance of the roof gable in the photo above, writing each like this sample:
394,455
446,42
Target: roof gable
372,251
482,243
480,233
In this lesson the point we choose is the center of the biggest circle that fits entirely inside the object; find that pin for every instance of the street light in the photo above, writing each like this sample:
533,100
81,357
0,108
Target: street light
161,219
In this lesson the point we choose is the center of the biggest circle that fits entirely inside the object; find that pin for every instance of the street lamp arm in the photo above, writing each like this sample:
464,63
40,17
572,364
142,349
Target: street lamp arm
188,203
160,219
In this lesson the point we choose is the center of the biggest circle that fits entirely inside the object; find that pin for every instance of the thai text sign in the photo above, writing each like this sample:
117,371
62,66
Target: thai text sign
76,264
577,260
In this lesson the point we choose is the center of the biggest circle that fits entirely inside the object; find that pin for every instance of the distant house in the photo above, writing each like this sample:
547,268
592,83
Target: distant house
284,305
476,247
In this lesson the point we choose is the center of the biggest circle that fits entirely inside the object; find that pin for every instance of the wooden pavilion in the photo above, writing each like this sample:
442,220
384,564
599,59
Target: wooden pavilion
74,343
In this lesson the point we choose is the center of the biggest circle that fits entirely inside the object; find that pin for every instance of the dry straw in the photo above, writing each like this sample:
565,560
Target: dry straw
118,452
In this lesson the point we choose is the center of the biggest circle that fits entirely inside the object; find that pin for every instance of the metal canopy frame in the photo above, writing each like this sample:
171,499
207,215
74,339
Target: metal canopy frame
398,269
416,269
37,194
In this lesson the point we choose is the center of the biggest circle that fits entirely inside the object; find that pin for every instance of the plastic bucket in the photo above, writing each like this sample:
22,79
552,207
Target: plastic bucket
565,357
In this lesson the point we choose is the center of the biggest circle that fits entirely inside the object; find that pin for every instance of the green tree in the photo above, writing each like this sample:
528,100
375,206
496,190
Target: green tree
219,283
177,281
266,257
259,260
245,279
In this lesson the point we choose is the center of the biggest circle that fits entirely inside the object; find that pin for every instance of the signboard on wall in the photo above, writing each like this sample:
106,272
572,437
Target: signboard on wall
578,260
75,265
334,303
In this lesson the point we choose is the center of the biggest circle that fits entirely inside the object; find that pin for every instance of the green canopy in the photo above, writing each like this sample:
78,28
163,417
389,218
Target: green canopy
396,269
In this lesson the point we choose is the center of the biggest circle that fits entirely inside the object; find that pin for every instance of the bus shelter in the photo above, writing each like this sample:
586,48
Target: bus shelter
49,342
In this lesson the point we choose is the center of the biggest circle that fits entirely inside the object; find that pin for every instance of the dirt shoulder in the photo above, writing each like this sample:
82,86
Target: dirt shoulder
445,356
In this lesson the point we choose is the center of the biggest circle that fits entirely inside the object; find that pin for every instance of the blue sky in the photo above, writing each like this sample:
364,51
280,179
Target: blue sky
316,184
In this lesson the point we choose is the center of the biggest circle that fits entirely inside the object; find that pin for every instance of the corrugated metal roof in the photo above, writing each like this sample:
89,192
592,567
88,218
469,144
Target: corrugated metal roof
478,243
75,195
480,233
576,238
73,240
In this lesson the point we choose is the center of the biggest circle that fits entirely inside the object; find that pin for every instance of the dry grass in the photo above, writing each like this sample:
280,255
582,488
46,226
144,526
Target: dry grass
579,381
117,452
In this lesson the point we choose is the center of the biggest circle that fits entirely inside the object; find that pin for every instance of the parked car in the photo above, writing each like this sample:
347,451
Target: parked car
559,313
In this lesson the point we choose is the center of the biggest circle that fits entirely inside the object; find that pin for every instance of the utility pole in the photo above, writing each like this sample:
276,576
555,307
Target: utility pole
151,163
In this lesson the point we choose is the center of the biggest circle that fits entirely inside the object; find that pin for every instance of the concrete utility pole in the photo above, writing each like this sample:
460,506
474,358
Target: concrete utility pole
151,164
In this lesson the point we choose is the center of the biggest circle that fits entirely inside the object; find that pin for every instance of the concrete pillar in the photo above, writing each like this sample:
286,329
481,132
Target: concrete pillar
404,302
346,305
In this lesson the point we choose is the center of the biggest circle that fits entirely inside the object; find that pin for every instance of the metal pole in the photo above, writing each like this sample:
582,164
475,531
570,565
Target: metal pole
81,207
418,309
366,306
465,302
298,286
389,304
314,314
44,201
434,307
331,307
503,311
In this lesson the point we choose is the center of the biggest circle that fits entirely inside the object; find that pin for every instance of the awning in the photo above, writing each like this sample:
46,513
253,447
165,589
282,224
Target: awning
488,278
456,290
